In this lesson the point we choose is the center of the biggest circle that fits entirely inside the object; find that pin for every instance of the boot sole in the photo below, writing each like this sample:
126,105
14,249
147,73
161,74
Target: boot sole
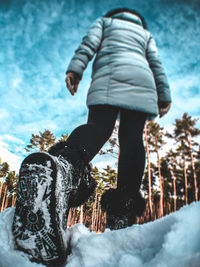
40,220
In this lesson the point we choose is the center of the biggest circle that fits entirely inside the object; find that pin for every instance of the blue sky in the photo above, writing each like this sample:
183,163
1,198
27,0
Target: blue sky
38,39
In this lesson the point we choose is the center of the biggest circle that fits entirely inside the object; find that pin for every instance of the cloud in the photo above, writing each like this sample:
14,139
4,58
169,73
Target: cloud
12,139
186,97
39,39
102,161
177,37
16,82
7,156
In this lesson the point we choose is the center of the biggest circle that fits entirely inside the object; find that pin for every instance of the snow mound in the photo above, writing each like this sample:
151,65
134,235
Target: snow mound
168,242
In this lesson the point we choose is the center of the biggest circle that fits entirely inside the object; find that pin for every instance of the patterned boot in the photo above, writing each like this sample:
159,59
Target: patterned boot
82,184
47,188
121,208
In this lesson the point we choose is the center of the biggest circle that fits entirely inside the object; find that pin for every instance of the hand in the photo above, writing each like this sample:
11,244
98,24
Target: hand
72,81
163,107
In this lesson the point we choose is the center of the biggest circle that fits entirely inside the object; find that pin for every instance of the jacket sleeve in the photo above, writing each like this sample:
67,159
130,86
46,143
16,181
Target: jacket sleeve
160,78
87,49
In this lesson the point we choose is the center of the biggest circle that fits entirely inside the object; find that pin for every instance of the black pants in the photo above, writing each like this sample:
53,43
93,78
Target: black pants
93,135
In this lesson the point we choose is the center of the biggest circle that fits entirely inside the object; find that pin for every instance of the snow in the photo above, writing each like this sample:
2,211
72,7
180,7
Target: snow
168,242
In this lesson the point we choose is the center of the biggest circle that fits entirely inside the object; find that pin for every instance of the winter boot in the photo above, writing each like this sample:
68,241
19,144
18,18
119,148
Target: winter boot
82,184
48,187
40,219
121,208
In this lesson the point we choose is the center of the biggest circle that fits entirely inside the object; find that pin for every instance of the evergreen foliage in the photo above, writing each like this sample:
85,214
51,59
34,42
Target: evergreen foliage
8,185
41,142
173,173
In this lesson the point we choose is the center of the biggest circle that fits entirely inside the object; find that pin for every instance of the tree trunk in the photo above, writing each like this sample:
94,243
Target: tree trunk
174,187
81,214
14,198
69,218
94,213
6,202
193,169
149,172
186,183
100,221
2,182
161,186
5,192
98,213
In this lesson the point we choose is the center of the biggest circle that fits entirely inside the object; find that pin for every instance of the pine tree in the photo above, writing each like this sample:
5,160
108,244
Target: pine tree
113,149
156,142
149,171
11,181
172,165
185,131
4,169
184,155
8,185
41,142
64,137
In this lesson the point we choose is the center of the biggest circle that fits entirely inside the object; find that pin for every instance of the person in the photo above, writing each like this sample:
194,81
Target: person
127,83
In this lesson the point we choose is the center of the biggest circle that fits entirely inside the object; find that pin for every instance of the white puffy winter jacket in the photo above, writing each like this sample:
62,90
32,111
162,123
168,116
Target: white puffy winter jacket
127,71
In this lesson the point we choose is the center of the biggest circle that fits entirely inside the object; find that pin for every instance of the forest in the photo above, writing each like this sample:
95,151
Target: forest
171,178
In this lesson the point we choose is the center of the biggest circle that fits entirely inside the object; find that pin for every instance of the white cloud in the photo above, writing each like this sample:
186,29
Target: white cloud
6,156
33,93
185,98
4,114
16,82
11,139
101,162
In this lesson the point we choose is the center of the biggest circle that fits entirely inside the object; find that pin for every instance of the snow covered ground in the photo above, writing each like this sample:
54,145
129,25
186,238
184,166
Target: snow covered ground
172,241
